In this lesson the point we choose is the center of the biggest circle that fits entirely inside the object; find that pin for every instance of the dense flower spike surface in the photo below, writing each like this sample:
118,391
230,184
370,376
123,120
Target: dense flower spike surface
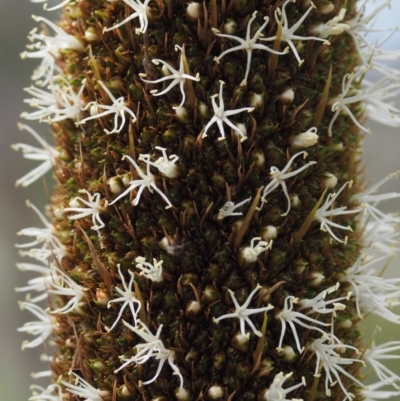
186,205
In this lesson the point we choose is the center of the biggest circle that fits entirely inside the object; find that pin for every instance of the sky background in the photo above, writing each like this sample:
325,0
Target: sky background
381,157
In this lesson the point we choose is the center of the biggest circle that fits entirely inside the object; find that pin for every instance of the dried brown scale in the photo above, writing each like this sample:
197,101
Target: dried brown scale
206,167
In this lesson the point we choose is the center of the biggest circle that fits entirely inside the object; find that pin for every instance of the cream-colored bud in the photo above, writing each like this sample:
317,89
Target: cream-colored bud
181,114
306,139
91,35
115,185
230,27
287,353
315,279
255,100
193,308
325,7
337,146
181,394
329,180
269,232
203,110
295,201
258,158
242,128
194,11
286,96
126,179
215,392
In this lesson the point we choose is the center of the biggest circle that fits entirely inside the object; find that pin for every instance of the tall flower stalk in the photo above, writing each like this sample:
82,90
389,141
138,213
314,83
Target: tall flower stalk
208,210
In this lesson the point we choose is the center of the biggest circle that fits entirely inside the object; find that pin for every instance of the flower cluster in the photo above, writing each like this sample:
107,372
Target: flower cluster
142,238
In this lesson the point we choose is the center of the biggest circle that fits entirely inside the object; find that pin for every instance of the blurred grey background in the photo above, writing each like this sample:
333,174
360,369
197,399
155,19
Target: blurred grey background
381,157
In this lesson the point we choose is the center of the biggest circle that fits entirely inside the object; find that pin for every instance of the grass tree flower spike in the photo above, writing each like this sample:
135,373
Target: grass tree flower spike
206,158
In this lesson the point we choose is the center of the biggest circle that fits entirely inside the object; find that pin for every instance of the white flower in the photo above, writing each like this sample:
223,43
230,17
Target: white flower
48,49
372,393
373,293
248,44
382,238
93,209
74,290
48,155
229,209
83,389
62,4
146,181
288,33
128,298
242,312
165,165
319,305
291,317
118,108
221,116
325,212
369,201
374,354
153,271
332,27
276,392
373,95
359,28
140,12
42,235
152,347
41,328
53,392
331,362
40,284
59,104
177,77
250,253
279,177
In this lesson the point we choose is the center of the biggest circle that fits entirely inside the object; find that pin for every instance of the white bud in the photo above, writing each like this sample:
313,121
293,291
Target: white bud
269,232
255,100
242,128
215,392
329,181
115,185
193,308
230,27
181,114
316,279
194,11
306,139
287,353
182,394
326,7
91,35
258,158
286,96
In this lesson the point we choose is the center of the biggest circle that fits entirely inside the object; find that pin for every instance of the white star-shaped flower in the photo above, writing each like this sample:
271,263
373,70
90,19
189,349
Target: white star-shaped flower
118,108
177,77
242,313
58,104
279,177
146,181
128,298
325,212
153,271
93,209
48,155
41,328
62,4
276,392
229,209
84,390
140,11
288,35
153,347
248,44
48,49
221,116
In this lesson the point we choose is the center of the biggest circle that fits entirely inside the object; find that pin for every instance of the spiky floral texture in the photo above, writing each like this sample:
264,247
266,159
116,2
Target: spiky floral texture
232,244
